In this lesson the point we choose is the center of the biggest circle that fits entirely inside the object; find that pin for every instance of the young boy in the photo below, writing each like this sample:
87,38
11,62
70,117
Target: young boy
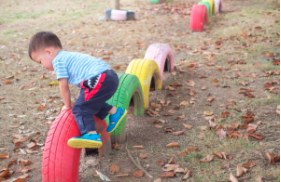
98,82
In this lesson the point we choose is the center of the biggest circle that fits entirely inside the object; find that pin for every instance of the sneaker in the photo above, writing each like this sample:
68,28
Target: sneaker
85,141
115,119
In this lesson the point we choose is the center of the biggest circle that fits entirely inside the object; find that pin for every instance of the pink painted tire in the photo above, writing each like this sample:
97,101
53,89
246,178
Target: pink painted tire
118,15
199,17
218,5
162,54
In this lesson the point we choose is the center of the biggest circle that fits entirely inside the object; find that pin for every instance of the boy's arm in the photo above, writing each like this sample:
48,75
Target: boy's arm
65,93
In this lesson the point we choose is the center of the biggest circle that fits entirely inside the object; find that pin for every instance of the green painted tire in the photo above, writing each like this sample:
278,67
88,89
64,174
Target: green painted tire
208,6
129,89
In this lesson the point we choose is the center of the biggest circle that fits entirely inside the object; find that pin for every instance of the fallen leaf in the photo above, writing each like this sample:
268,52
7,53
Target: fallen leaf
114,168
210,99
172,161
173,144
143,156
187,126
256,136
187,174
158,180
138,147
24,170
8,82
235,134
258,179
191,83
138,174
168,175
5,156
240,171
179,170
160,163
225,114
180,117
54,83
208,113
220,154
232,178
41,108
4,172
248,164
177,133
156,105
184,103
24,162
31,145
215,80
251,128
220,132
201,136
168,129
158,126
121,175
207,159
170,167
272,159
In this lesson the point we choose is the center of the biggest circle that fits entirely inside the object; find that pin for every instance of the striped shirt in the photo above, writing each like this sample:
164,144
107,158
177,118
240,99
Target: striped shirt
77,67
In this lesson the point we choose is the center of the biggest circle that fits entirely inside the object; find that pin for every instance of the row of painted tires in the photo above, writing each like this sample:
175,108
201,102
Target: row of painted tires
60,162
202,13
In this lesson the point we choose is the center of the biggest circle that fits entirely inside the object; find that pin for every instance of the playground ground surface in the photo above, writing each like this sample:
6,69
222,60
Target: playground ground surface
240,48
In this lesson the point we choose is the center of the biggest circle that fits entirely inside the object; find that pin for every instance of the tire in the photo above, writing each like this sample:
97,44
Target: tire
218,4
199,17
158,1
108,14
120,15
162,54
60,162
145,70
129,88
212,4
207,4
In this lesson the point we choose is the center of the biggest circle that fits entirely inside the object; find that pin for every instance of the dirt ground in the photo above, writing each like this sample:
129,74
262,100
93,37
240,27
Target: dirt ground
239,50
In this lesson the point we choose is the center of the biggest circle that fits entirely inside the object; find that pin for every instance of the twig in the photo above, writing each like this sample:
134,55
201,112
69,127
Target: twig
138,166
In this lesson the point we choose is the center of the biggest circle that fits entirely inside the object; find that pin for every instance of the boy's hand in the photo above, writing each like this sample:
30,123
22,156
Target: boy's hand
65,107
65,93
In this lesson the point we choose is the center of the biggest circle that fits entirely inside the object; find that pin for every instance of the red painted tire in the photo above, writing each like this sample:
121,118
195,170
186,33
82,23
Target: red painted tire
199,17
60,162
218,5
162,54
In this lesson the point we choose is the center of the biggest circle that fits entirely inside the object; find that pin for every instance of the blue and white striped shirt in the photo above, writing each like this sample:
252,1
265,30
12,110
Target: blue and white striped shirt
77,67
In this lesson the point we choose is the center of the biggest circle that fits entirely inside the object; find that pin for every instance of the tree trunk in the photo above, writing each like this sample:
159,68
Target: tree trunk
116,4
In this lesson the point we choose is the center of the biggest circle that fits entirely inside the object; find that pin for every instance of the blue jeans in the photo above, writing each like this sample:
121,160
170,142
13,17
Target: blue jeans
92,100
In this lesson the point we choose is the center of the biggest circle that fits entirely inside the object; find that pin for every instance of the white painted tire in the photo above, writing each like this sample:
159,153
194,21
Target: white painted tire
162,54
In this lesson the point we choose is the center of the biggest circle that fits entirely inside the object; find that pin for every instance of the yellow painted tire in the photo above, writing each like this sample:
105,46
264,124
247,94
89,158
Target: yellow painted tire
212,4
146,70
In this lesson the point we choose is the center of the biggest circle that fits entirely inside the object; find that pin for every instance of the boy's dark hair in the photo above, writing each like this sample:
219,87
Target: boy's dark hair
42,40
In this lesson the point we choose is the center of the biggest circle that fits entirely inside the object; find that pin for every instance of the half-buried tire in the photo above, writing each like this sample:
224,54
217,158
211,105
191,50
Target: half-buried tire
60,162
198,18
149,76
129,91
162,54
208,6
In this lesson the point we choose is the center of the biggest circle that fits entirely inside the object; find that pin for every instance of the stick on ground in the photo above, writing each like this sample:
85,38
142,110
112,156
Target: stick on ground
138,166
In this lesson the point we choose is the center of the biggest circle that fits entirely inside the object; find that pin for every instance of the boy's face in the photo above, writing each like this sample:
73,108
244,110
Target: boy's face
44,57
